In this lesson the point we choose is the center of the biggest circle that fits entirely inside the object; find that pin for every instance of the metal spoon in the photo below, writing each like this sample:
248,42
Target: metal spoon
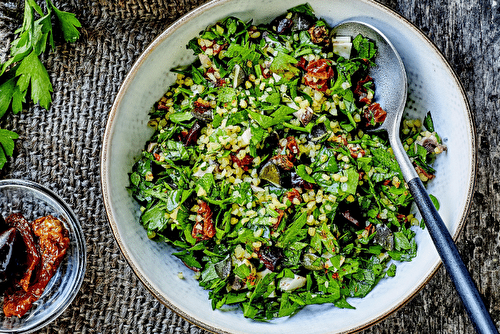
391,91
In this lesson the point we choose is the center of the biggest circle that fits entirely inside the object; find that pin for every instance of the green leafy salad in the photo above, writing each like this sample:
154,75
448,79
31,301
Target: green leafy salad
262,174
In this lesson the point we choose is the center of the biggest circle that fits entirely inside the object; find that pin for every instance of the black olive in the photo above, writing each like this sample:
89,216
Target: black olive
282,24
193,134
384,237
301,22
271,257
270,172
350,213
318,131
297,182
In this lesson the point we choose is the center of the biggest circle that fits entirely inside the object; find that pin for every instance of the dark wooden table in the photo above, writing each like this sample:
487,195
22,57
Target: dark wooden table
60,149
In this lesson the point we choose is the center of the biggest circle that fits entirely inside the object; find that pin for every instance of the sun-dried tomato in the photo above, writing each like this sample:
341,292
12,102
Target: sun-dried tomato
202,110
218,48
375,113
402,218
182,136
244,163
293,194
281,214
251,279
204,228
357,152
53,241
318,73
361,92
200,103
33,256
340,140
320,69
220,82
265,72
282,161
292,147
302,63
420,170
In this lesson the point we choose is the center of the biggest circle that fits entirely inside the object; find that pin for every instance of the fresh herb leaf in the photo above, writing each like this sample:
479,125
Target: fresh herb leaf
24,69
31,71
7,142
428,123
68,23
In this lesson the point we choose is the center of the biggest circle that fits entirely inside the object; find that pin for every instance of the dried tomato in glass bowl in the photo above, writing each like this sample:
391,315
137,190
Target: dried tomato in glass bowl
47,267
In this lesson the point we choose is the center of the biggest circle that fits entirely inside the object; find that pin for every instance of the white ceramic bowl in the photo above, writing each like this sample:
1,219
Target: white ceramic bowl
432,87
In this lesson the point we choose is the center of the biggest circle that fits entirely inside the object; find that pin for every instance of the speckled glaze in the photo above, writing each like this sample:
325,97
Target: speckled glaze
432,86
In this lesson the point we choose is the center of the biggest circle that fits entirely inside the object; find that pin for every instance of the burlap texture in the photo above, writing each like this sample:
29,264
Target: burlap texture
60,148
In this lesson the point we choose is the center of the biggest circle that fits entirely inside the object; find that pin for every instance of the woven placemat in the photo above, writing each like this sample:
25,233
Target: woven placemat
60,148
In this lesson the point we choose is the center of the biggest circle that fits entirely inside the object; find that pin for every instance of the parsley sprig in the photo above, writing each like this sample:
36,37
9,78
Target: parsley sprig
24,69
24,72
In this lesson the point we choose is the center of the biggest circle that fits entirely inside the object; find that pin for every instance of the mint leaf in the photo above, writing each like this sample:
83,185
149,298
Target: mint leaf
206,182
301,172
293,231
188,259
351,185
435,201
364,47
428,123
226,95
284,63
401,241
180,117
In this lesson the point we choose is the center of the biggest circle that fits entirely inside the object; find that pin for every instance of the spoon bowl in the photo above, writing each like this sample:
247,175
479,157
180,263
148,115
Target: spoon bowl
390,80
389,77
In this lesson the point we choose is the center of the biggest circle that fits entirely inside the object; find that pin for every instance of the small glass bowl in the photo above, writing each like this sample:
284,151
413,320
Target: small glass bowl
35,201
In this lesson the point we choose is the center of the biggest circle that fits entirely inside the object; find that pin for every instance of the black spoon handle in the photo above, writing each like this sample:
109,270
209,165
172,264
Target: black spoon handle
453,263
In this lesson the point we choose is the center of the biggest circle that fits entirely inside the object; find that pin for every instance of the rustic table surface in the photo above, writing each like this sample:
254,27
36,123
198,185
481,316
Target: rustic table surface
60,148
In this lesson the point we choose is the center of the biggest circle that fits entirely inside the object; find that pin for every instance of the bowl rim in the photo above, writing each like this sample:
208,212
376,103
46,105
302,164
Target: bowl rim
177,25
79,240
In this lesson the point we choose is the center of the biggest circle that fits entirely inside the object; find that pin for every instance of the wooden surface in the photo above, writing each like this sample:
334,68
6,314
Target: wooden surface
114,33
467,33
